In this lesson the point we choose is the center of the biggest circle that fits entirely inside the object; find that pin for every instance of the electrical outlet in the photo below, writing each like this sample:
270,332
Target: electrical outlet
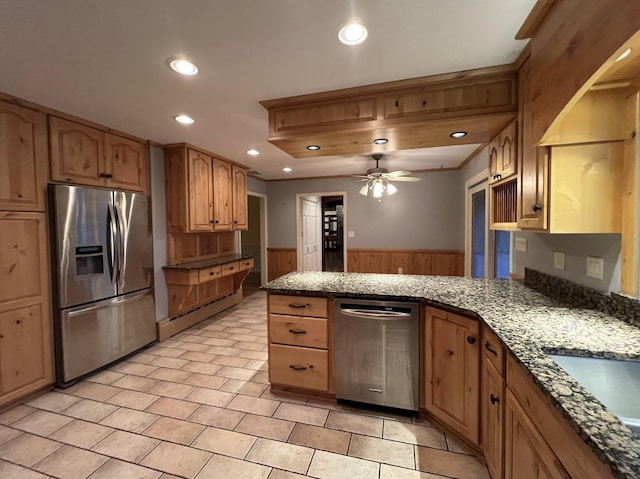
400,270
558,260
595,267
521,244
351,234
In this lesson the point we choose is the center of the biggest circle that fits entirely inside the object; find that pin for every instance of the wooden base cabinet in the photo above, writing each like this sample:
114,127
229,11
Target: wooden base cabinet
453,371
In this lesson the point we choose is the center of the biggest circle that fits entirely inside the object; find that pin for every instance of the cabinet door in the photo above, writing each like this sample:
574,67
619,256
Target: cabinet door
126,163
508,150
239,198
26,351
200,191
222,196
494,160
492,407
24,160
77,153
533,160
527,455
453,371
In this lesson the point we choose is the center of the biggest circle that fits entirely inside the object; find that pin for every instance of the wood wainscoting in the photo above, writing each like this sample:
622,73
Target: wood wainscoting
435,262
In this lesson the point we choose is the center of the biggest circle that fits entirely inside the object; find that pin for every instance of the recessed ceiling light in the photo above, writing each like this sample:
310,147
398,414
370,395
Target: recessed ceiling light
184,67
352,34
624,54
286,169
253,152
458,134
313,147
184,119
380,141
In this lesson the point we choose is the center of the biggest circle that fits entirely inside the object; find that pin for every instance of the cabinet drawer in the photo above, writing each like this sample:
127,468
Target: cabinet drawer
298,331
209,274
246,264
300,367
298,305
230,268
492,349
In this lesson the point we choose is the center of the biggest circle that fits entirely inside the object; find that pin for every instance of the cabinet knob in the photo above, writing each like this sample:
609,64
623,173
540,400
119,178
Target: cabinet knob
211,221
471,339
216,222
537,207
235,221
493,399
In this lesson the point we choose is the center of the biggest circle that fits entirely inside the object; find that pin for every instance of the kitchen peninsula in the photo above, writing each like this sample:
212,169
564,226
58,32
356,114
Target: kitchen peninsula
562,418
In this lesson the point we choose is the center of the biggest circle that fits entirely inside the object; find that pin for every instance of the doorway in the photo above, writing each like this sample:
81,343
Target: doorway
253,241
321,229
477,239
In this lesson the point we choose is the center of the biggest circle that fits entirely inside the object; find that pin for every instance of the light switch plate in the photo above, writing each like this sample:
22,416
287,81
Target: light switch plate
351,234
521,244
558,260
595,267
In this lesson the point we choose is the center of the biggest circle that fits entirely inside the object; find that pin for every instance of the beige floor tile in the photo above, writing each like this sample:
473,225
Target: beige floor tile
456,446
248,346
280,474
133,399
210,397
284,397
223,350
201,368
393,472
166,362
176,459
126,446
244,387
257,365
105,377
369,426
260,355
261,377
236,330
12,415
53,401
164,351
413,434
221,467
327,465
384,414
217,417
81,434
167,374
423,421
204,380
215,341
329,404
289,457
382,450
135,368
266,427
130,420
174,430
236,373
192,338
96,391
197,356
450,464
259,406
137,383
171,390
11,471
299,413
90,410
169,476
172,408
225,442
6,434
197,347
243,337
41,423
230,361
70,462
320,438
115,469
27,449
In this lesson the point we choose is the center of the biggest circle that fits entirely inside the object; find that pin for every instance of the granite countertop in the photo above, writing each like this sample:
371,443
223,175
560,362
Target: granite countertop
530,325
208,263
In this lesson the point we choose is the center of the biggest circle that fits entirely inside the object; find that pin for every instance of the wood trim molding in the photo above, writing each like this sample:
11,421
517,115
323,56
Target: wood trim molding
534,19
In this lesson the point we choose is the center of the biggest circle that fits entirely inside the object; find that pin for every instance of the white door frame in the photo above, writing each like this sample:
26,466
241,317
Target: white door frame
299,197
471,186
263,236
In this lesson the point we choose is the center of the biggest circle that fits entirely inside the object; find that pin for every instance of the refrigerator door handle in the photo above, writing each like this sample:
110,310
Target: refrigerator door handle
113,244
122,235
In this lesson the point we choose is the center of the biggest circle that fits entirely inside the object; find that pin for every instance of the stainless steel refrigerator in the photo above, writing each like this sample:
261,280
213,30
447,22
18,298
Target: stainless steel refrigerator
103,267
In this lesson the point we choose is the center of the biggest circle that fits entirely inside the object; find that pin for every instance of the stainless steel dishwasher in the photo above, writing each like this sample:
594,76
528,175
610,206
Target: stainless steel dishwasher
377,359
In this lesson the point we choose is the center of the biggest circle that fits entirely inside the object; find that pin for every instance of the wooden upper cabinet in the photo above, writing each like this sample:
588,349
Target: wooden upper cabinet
494,159
23,158
453,371
222,195
126,163
240,215
502,154
86,156
200,191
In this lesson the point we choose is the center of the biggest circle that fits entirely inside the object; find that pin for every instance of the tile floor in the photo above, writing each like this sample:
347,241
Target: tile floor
199,406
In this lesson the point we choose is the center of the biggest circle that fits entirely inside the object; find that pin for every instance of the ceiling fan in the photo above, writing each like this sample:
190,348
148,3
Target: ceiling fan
378,180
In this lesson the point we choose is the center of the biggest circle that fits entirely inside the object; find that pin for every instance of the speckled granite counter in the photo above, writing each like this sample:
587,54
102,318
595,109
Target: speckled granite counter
530,326
208,263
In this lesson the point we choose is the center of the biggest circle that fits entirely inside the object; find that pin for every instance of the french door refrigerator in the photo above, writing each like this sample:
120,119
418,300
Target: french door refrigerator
103,267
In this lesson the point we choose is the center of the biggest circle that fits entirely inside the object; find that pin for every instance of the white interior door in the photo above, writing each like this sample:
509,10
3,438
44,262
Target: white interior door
311,257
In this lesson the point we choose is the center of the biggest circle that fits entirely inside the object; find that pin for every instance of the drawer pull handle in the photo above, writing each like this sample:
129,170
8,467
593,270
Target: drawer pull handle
212,273
297,367
488,347
297,331
494,399
297,306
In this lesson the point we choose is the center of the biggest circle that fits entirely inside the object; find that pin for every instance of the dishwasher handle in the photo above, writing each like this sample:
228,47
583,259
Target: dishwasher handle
374,314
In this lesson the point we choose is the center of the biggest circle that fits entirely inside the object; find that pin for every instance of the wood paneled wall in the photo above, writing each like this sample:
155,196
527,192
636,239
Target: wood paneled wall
434,262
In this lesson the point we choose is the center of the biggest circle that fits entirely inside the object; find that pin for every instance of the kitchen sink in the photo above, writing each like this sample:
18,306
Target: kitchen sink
615,383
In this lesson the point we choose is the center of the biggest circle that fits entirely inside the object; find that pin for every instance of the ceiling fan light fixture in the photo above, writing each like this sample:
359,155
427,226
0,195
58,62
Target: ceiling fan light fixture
378,188
458,134
380,141
364,191
391,189
352,34
313,147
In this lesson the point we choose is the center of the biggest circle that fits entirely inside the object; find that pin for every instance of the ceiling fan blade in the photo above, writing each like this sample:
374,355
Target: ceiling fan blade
408,179
394,174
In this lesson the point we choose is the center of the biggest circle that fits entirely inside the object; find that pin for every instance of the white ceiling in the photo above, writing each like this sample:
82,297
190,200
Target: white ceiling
106,61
